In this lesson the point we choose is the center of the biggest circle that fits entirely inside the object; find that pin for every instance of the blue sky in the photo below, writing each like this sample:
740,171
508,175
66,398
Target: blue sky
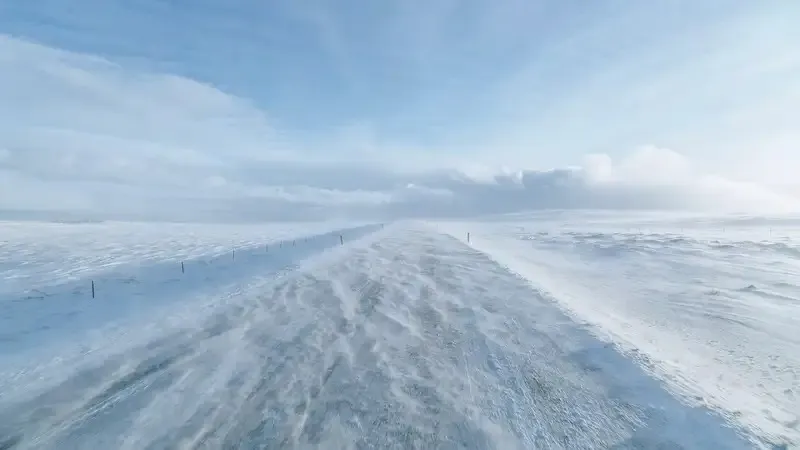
221,93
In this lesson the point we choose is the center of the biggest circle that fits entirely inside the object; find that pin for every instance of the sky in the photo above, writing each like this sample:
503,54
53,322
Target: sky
259,110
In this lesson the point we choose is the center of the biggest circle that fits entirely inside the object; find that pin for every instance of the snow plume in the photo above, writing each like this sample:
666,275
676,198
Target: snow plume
84,138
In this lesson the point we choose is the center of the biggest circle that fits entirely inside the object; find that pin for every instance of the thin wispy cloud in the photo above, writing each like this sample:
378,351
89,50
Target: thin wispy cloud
240,111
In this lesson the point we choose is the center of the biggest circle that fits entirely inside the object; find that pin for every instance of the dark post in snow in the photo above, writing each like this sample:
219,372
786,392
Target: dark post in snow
341,239
233,255
92,288
183,270
467,236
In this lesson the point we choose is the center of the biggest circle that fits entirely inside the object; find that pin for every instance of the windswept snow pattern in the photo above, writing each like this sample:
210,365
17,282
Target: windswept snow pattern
108,287
404,338
709,305
37,254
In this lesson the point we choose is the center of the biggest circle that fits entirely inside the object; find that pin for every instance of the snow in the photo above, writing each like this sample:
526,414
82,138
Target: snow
406,336
41,254
709,305
134,270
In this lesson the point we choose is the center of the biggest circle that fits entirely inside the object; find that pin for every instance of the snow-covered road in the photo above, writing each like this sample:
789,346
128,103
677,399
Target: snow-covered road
407,338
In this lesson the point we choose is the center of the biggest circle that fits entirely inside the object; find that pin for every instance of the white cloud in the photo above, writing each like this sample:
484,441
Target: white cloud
649,165
84,136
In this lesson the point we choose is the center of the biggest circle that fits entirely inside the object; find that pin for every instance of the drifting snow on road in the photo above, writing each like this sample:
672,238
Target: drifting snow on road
405,339
710,306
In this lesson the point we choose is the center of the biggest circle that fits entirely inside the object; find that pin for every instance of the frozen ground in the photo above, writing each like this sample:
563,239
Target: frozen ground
44,254
47,272
710,305
403,337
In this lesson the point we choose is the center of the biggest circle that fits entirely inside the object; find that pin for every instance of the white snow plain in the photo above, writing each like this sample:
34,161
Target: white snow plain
50,272
37,254
710,305
404,337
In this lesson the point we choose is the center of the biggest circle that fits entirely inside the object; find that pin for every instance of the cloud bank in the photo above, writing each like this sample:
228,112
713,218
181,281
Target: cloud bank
82,137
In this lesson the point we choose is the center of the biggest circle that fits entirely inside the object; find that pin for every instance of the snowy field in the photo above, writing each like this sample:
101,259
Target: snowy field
710,305
63,284
558,330
43,254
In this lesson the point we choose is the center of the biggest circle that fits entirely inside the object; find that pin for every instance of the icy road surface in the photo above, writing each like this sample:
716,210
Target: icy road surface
406,338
